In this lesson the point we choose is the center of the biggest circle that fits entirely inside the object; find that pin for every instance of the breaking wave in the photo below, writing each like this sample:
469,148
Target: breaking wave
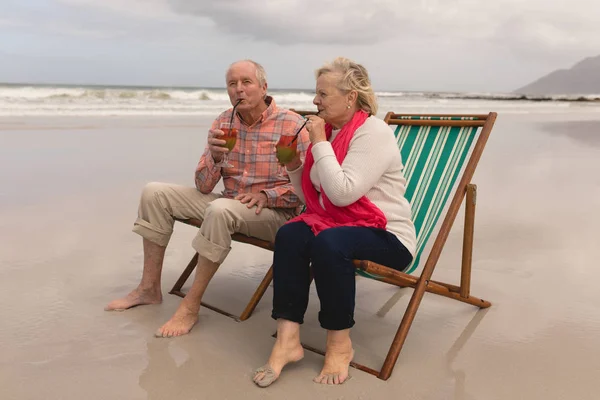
17,100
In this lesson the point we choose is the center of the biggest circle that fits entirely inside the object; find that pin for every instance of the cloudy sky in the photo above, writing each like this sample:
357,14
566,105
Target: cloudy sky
451,45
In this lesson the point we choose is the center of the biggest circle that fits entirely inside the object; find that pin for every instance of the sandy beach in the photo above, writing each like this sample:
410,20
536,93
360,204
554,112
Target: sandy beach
69,189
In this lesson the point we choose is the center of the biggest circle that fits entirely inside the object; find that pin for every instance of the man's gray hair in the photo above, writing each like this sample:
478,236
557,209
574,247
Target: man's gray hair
261,75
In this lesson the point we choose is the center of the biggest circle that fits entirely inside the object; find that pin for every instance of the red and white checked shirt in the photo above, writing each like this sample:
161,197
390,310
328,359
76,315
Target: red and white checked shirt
253,157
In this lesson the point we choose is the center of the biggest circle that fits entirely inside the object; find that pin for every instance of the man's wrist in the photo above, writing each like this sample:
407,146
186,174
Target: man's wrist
216,159
266,197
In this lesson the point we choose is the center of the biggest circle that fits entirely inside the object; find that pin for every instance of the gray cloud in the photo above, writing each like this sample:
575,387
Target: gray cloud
406,44
156,10
550,34
529,28
535,25
310,21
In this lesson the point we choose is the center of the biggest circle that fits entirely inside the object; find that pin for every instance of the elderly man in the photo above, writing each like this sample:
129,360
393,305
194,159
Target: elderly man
256,200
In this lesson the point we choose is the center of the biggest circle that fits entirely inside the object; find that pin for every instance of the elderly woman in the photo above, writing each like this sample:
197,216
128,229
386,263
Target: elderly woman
353,188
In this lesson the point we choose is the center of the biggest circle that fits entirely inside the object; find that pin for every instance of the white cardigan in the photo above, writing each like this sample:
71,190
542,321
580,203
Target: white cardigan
372,167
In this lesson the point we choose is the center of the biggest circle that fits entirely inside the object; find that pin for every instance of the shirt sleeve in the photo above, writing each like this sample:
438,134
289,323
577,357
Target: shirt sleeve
207,174
296,180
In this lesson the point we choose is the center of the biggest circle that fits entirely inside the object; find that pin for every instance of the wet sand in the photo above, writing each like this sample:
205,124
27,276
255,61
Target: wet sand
68,197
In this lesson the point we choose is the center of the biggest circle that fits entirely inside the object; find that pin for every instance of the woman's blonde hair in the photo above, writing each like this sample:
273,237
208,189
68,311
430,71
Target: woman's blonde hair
353,77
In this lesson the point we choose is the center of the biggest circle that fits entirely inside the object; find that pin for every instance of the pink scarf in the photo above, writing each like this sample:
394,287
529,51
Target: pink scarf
360,213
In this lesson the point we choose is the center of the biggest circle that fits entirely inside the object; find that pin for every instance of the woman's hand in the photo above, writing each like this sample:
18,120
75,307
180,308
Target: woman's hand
316,129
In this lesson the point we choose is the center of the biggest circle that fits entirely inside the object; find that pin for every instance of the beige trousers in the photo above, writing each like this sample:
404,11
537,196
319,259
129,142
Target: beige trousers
162,202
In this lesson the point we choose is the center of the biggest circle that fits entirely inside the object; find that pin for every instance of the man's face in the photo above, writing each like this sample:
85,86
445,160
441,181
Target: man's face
242,84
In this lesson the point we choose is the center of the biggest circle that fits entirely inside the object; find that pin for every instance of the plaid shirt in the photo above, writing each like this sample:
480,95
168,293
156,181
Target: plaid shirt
255,164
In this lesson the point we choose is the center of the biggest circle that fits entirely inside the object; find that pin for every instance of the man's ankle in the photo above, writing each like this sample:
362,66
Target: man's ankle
149,288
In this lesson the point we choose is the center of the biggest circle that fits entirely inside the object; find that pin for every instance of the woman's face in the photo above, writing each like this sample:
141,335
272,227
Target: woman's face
331,102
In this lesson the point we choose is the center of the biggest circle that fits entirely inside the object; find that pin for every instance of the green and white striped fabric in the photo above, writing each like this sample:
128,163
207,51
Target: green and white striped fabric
433,158
436,118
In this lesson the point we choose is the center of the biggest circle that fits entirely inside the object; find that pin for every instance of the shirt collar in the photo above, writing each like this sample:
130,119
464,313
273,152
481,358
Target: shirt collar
271,108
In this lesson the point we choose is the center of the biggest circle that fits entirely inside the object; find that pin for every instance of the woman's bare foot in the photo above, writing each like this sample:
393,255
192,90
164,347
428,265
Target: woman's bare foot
181,323
338,355
287,349
137,297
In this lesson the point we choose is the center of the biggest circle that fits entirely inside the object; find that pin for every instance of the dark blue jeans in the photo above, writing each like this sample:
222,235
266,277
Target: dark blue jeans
330,254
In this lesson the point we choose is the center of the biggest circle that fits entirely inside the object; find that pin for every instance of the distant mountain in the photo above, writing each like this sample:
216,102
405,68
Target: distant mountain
582,78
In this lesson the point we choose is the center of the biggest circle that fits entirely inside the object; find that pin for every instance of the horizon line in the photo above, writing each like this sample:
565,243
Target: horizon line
114,85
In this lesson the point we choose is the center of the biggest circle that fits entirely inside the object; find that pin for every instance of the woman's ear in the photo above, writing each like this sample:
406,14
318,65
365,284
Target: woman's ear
352,97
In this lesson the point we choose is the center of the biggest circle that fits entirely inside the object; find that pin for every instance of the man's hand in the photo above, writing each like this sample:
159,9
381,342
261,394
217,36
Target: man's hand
215,145
253,199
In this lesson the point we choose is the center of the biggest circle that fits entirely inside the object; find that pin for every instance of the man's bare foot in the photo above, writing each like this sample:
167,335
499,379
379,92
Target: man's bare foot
281,355
137,297
181,323
337,362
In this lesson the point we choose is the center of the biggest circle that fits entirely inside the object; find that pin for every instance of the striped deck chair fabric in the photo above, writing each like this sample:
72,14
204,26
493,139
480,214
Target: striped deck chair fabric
433,157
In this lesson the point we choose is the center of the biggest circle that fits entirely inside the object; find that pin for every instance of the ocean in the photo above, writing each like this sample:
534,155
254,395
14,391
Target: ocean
88,100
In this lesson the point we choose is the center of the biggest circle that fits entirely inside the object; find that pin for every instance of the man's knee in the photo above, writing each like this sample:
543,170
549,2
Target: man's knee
152,190
220,210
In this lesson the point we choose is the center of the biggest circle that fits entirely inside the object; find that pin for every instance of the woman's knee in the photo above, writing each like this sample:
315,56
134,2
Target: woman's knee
290,235
331,244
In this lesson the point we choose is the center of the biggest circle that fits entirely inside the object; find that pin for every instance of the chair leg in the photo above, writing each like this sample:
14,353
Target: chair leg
467,254
260,291
400,338
423,285
176,290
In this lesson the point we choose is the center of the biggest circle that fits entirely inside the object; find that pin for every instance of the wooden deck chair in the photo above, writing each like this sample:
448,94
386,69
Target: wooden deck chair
434,150
263,244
